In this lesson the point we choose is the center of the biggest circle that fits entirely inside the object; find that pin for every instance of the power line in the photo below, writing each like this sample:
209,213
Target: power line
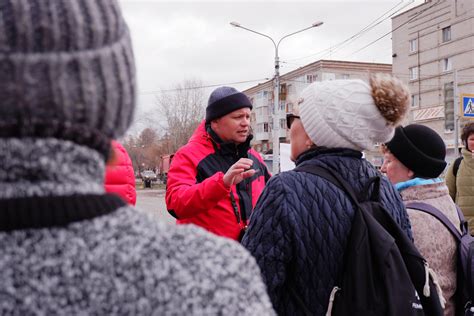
378,39
361,32
202,87
370,28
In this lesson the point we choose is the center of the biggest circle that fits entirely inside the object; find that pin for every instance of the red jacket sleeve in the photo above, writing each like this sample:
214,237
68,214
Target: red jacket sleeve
119,176
184,196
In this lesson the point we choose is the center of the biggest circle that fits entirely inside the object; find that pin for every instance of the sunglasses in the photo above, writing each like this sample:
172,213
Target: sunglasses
290,118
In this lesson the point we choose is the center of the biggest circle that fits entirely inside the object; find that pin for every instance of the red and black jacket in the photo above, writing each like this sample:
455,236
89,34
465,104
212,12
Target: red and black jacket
196,193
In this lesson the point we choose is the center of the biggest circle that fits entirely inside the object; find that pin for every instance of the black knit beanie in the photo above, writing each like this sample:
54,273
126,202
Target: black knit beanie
66,71
224,100
420,149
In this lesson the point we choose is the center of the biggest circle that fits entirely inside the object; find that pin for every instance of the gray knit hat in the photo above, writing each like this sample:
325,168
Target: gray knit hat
66,71
224,100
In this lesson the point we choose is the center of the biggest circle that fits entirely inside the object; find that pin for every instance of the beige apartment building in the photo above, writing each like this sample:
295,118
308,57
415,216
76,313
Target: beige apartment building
432,46
291,84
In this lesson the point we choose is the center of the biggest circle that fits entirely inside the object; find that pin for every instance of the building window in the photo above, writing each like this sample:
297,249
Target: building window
447,34
447,64
413,45
413,73
283,124
282,106
345,76
414,100
265,127
311,78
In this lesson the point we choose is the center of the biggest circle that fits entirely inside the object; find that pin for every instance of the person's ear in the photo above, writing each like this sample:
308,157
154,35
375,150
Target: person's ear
214,122
309,143
411,174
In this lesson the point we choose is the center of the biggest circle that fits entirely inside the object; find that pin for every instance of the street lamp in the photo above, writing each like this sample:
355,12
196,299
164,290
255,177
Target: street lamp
276,91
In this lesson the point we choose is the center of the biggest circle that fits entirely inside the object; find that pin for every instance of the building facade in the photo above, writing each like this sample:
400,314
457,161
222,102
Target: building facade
291,84
432,46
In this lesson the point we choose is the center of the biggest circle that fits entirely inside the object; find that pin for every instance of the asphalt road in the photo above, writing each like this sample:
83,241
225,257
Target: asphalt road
152,201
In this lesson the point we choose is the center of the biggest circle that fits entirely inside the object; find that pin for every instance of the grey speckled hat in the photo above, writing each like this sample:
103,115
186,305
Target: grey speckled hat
224,100
66,71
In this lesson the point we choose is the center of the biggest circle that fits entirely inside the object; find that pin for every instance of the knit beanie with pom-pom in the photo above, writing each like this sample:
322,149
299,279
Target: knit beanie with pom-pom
351,113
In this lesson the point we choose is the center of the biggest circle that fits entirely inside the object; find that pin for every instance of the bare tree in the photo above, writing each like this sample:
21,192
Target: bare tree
183,107
145,150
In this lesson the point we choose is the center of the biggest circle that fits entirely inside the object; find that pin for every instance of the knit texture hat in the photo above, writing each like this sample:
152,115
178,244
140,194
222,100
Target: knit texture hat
420,149
224,100
343,113
66,71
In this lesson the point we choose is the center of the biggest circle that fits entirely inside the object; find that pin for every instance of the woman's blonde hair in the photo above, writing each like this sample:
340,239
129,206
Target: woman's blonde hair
391,96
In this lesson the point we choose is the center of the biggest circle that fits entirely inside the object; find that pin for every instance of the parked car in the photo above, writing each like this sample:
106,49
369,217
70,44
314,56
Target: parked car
148,177
165,163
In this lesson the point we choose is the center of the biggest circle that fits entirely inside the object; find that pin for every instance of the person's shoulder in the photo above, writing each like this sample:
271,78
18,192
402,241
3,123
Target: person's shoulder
185,243
283,179
195,148
184,262
299,184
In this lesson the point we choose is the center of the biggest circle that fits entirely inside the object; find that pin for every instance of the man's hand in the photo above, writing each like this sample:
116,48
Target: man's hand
238,172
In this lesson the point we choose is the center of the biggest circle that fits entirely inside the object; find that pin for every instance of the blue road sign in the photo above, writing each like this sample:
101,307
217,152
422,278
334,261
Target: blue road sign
467,105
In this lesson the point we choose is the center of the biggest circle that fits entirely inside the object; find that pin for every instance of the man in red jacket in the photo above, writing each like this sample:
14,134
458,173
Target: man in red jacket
215,179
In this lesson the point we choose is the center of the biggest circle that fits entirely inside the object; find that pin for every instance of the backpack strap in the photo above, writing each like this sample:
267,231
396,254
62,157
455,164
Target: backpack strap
375,196
457,163
332,177
430,209
464,224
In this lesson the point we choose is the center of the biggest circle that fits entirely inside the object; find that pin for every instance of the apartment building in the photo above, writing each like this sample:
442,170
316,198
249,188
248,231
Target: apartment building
432,46
291,84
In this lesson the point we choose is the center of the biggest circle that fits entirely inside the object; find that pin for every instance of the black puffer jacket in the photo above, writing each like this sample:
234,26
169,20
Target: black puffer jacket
300,225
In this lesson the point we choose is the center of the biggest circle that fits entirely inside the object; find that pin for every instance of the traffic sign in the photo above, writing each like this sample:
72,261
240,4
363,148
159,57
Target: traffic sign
467,103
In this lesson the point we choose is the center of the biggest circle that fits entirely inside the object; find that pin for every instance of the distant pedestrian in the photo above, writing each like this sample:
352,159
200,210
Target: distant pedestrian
215,180
413,161
460,176
119,174
67,88
300,226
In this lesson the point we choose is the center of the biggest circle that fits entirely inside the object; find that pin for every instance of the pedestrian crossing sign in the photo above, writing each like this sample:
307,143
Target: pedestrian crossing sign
467,105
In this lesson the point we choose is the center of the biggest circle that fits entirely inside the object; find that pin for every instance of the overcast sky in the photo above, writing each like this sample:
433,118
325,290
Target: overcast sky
175,41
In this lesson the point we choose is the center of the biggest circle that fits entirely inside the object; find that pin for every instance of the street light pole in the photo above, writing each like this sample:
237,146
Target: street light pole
276,91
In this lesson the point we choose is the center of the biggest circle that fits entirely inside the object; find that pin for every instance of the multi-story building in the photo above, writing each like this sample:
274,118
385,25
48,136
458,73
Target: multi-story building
433,53
291,84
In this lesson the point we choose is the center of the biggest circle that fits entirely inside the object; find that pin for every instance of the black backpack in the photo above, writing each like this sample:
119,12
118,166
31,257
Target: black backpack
382,269
457,163
465,272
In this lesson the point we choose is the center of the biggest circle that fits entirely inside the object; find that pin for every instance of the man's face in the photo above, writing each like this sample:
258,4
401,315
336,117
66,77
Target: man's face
233,127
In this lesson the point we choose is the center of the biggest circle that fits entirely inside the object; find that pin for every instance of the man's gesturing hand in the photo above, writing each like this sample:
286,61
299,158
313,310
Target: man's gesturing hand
238,172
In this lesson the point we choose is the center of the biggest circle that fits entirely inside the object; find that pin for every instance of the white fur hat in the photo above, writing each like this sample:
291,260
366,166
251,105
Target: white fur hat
343,113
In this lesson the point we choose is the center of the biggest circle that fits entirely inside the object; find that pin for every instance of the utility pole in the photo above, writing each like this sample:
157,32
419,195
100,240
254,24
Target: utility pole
276,116
456,114
276,91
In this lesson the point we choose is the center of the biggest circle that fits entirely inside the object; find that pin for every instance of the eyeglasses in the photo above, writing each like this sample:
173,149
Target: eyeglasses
290,118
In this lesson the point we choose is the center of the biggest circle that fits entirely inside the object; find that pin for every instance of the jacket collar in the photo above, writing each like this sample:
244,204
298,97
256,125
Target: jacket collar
468,158
320,152
228,148
425,192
